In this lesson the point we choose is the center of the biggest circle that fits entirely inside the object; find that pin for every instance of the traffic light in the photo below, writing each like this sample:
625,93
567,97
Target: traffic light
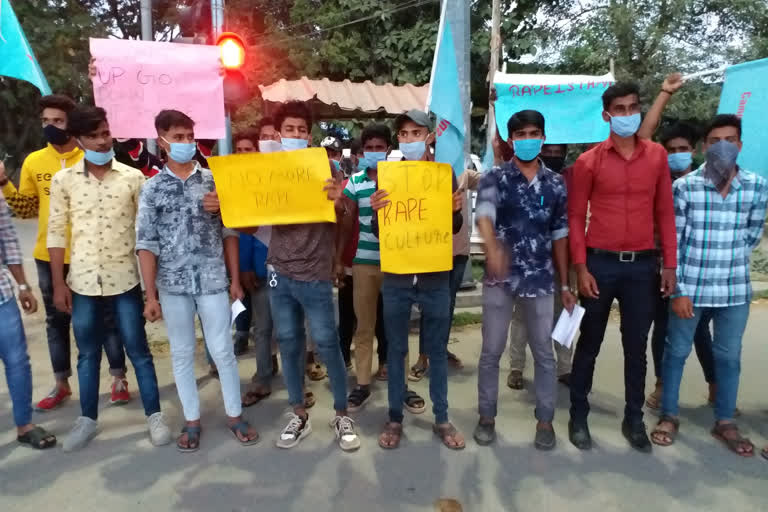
232,51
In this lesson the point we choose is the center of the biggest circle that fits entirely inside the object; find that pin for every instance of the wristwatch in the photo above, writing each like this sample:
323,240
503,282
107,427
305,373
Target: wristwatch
24,287
565,288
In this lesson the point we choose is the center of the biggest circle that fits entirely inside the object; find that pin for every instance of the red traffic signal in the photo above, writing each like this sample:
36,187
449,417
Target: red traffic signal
232,50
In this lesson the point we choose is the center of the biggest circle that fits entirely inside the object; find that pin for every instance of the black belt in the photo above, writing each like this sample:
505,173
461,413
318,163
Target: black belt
624,256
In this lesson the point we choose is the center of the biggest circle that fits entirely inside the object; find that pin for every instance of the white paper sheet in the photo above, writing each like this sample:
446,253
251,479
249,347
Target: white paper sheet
237,308
567,325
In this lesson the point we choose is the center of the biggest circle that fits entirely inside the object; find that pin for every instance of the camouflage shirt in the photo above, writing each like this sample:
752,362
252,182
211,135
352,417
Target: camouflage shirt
187,240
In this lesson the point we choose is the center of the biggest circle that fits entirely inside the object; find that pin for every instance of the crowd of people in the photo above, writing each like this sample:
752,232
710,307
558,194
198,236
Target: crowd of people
631,220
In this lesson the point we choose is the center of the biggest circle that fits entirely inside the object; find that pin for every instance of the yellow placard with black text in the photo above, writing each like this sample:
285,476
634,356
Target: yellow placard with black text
264,189
416,227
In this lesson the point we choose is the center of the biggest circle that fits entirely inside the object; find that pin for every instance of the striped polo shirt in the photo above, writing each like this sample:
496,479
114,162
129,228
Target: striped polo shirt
359,189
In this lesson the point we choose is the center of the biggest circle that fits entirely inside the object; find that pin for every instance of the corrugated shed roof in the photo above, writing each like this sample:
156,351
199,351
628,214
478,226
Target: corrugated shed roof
348,99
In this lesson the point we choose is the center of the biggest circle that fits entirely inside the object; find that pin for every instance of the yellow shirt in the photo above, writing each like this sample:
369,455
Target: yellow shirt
102,216
34,190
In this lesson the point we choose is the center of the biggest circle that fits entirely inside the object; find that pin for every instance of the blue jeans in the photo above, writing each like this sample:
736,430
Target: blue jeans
455,276
89,326
435,305
729,324
291,300
13,353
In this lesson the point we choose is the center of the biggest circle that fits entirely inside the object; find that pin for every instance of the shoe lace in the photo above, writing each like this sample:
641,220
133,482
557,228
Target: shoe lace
345,426
293,426
156,421
81,424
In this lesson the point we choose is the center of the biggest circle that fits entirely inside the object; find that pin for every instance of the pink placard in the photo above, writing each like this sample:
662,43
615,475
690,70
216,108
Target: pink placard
137,79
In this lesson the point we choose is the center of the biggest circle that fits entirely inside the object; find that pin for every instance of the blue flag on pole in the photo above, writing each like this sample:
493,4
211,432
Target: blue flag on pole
17,59
745,94
445,101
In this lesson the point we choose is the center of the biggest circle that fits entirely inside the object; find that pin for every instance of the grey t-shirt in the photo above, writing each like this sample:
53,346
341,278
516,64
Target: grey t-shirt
303,251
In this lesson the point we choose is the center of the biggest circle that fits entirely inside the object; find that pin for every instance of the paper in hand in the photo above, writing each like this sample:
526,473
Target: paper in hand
567,325
237,308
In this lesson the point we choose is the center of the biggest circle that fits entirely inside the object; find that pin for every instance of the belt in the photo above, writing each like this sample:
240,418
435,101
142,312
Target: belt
624,256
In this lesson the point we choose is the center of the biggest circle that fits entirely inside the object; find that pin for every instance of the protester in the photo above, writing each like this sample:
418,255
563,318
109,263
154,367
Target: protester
185,253
332,146
522,217
246,142
13,341
429,290
720,213
625,180
32,199
97,200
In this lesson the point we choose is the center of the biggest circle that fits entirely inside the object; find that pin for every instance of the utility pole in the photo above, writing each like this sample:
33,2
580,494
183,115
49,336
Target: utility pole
217,18
147,34
494,66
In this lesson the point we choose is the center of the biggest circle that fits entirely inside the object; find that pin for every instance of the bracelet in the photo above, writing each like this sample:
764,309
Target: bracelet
565,288
666,91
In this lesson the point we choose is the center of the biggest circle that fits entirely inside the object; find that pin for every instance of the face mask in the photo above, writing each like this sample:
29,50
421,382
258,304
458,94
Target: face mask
625,126
269,146
554,163
679,161
721,160
99,157
527,149
362,164
374,157
182,152
55,135
413,150
291,144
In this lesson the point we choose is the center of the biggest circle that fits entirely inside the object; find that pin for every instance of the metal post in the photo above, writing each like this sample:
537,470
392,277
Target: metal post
147,34
217,19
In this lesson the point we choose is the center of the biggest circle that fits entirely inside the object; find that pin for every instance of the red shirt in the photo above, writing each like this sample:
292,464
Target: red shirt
627,199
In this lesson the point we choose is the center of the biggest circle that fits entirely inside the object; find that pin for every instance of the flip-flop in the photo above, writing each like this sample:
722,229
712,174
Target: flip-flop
733,444
253,397
242,427
417,372
394,431
38,438
670,434
411,399
448,431
193,438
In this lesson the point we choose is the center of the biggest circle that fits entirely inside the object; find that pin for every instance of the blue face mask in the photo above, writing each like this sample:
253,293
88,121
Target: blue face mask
336,164
374,157
291,144
625,126
99,157
527,149
182,152
413,150
362,164
679,162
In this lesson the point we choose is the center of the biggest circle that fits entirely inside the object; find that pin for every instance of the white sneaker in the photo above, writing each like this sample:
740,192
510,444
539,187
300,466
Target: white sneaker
84,430
344,427
296,430
159,433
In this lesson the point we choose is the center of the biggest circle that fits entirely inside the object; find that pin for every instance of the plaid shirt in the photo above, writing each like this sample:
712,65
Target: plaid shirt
10,251
715,237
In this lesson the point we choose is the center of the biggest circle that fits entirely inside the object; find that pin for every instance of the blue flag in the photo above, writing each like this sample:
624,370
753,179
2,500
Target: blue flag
17,59
745,94
445,102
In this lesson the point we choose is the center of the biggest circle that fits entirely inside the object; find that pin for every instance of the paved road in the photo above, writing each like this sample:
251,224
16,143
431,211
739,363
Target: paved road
121,471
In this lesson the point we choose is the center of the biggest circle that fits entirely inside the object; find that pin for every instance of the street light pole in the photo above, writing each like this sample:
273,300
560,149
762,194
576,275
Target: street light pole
147,34
217,19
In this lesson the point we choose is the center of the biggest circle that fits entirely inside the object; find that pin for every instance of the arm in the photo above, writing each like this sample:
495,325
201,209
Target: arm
10,255
681,303
485,218
147,249
652,119
58,220
347,220
578,198
232,261
559,232
756,220
665,215
458,201
24,202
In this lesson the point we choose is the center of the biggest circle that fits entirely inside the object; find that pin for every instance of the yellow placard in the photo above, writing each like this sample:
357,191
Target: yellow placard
416,228
264,189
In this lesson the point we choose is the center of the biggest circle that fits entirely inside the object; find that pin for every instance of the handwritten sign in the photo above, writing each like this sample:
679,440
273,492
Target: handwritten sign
571,104
416,228
137,79
262,189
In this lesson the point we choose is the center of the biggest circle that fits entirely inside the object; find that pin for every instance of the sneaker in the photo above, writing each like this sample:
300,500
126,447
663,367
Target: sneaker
296,430
344,427
84,430
159,433
120,394
54,399
485,433
358,398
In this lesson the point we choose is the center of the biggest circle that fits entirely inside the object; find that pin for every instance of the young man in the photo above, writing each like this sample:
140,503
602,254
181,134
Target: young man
245,142
432,292
625,180
185,253
97,199
553,158
720,213
269,138
521,214
13,342
32,199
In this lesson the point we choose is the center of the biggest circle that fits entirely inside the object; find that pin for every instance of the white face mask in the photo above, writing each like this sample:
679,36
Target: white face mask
269,146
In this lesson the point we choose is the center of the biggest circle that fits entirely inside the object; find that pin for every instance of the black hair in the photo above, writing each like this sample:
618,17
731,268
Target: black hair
376,131
679,130
619,90
168,119
85,120
265,121
355,147
249,134
525,118
297,109
57,101
722,120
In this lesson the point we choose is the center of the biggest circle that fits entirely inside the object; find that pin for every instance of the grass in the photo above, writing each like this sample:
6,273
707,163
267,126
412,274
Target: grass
464,318
478,267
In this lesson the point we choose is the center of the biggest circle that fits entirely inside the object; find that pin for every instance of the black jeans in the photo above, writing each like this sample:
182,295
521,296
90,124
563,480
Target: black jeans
348,323
702,340
634,285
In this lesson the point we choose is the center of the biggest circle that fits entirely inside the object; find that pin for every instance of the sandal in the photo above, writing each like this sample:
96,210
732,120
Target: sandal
447,432
253,397
733,444
653,401
381,373
659,433
316,371
417,372
242,428
309,399
38,438
454,361
413,402
193,438
515,379
390,438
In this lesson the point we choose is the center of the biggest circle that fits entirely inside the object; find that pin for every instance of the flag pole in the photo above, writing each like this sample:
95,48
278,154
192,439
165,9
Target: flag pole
705,73
494,66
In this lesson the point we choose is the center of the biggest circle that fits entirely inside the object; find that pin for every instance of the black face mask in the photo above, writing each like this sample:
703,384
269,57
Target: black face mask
55,135
555,163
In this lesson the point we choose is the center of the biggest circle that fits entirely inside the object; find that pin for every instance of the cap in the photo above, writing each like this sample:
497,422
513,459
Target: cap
417,116
331,143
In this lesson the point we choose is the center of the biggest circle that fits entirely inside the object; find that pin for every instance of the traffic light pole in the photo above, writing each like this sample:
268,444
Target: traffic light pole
217,18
